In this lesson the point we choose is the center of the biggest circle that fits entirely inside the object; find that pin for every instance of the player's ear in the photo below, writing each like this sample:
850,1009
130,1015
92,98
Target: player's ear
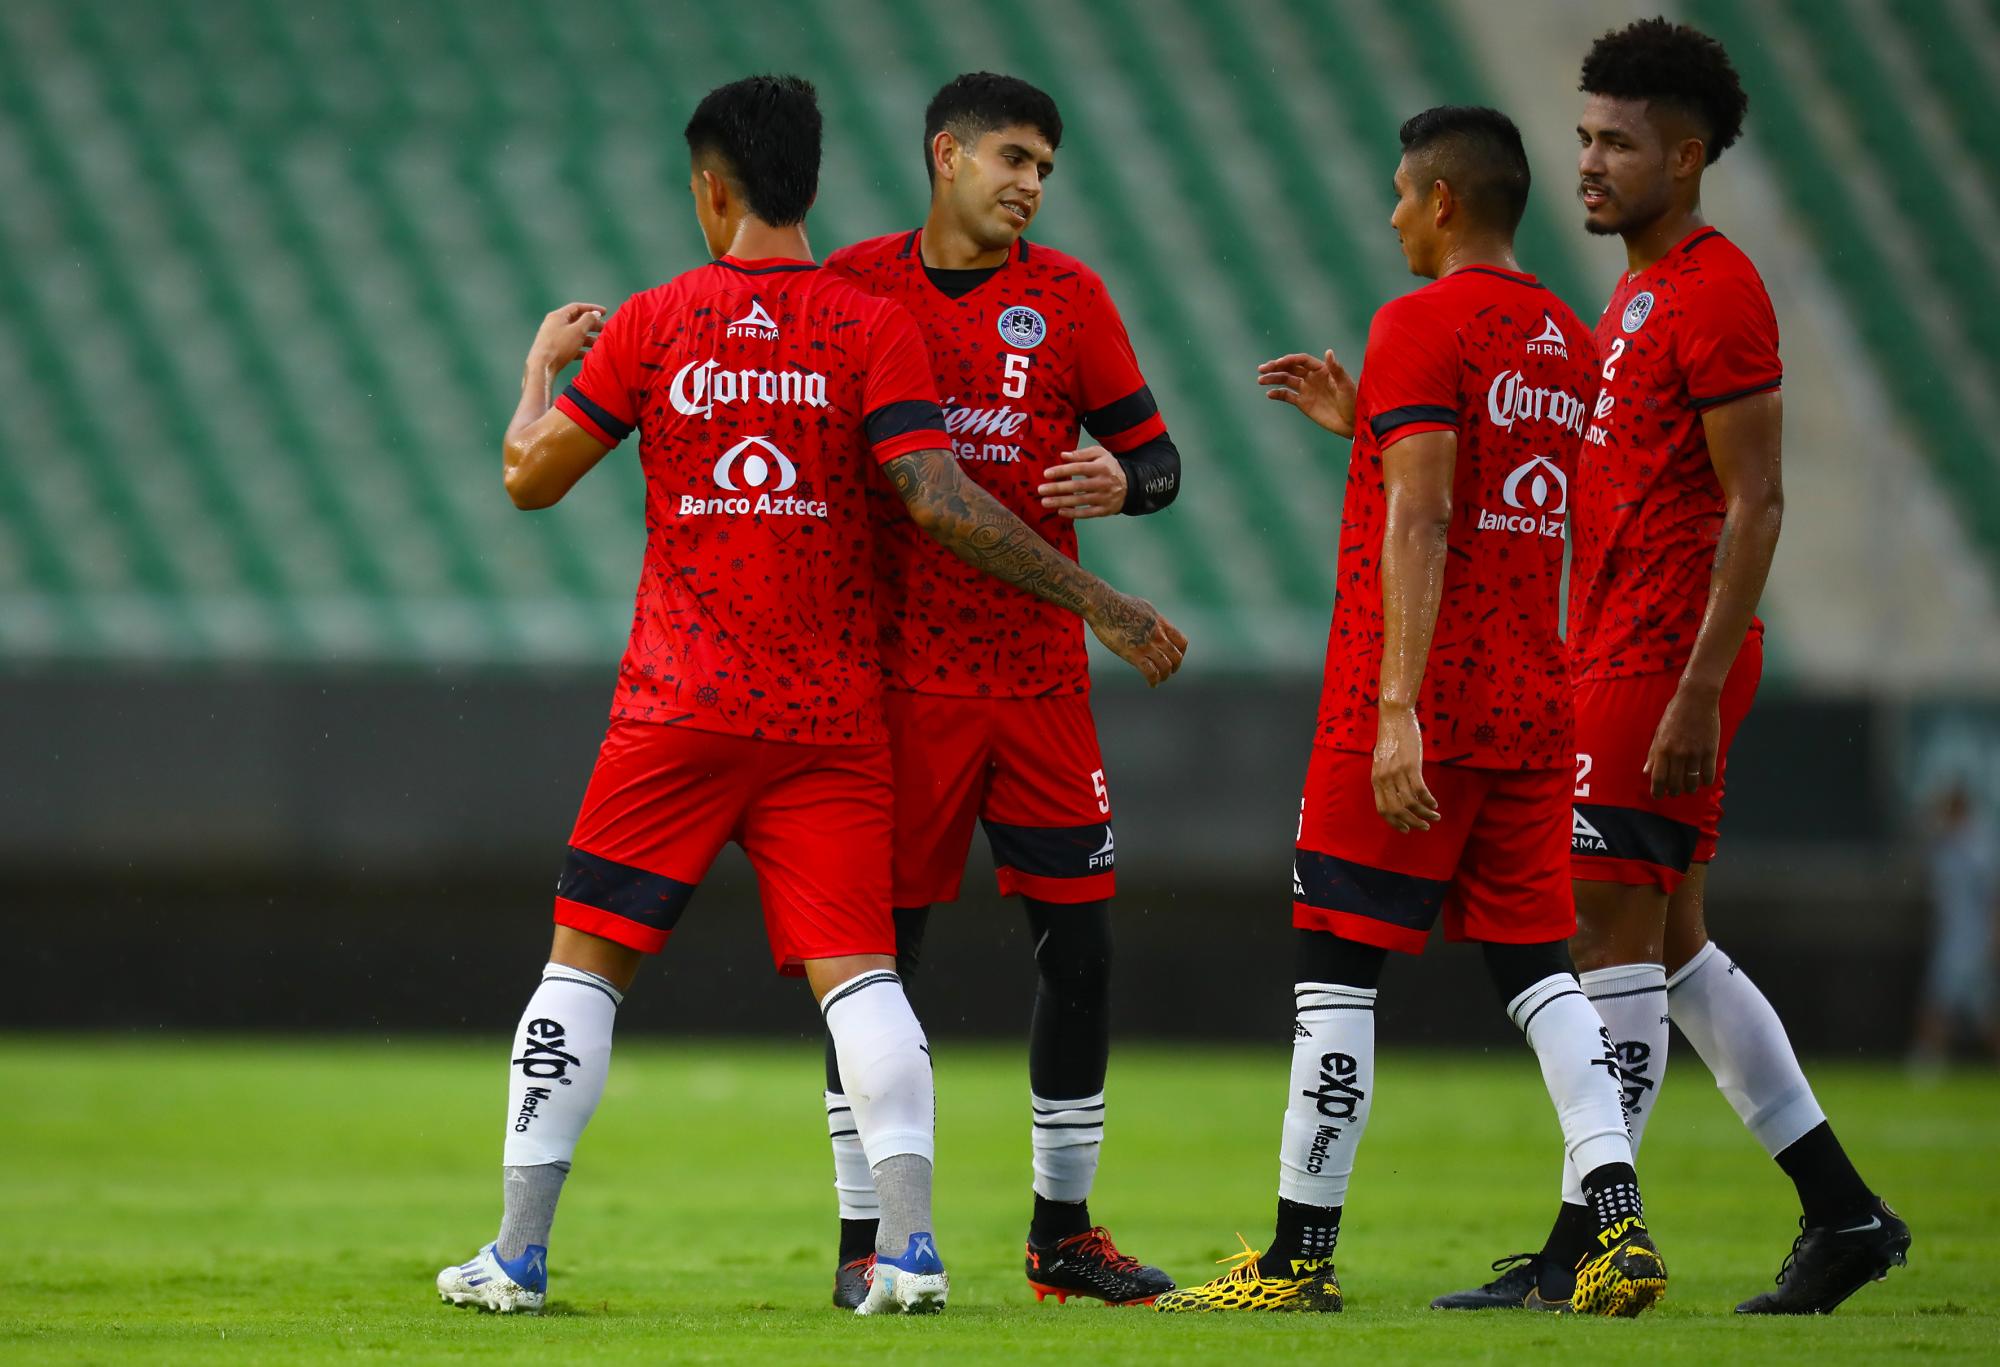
1442,203
1689,157
715,191
944,155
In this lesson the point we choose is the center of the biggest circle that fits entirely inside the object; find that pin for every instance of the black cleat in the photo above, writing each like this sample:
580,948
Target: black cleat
1828,1265
1089,1264
850,1282
1518,1287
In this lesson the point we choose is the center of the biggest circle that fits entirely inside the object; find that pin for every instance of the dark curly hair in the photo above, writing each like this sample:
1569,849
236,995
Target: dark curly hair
975,103
1672,64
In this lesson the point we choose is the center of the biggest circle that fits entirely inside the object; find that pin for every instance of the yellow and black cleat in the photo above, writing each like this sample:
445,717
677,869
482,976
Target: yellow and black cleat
1627,1278
1310,1287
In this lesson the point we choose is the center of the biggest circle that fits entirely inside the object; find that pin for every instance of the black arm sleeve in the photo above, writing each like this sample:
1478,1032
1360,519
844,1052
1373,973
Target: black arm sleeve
1152,475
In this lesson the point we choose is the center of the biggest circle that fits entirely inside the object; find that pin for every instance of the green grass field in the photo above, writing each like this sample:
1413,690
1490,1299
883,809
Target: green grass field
291,1201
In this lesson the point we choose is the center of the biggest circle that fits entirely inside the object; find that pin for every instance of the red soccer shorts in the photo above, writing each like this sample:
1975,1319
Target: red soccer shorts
1495,863
664,800
1027,768
1621,832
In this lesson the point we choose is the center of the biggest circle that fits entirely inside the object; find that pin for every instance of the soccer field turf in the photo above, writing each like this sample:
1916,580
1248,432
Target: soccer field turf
278,1200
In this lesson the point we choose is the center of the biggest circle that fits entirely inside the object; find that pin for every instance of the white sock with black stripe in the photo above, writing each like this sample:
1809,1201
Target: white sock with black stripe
885,1065
1578,1068
1326,1106
1067,1138
1631,1000
853,1184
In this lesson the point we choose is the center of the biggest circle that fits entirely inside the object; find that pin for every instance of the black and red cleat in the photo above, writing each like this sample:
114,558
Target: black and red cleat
1089,1264
850,1282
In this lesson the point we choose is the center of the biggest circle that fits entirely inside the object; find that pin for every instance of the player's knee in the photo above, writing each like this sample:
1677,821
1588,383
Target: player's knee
1073,950
1323,957
1617,924
1516,968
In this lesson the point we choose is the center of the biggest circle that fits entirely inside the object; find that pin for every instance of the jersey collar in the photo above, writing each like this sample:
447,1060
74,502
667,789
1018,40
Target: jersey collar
764,265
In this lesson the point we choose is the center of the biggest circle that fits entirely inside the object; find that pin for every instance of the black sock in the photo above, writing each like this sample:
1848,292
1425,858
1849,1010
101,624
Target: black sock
1831,1192
1613,1193
857,1239
1058,1219
1305,1234
1569,1239
1069,1036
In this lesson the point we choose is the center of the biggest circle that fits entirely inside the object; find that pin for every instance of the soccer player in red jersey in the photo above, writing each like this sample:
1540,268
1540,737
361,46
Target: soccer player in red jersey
1440,772
988,690
1676,519
748,704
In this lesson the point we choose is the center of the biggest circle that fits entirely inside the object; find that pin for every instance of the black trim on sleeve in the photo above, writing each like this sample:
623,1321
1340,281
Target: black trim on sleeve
1121,415
1385,423
592,410
1703,405
1152,475
906,415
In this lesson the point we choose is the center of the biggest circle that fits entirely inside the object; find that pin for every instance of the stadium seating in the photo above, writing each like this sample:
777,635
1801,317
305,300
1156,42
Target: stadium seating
269,270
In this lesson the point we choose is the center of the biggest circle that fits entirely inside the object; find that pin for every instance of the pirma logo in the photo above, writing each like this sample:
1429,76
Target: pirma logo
755,323
1585,838
755,470
1106,853
1637,311
1021,327
1550,341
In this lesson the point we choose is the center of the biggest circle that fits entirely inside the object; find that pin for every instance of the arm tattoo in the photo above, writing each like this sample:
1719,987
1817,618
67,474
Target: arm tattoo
979,529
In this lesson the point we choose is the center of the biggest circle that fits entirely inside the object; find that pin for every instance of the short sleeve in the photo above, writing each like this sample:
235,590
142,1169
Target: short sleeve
899,395
604,398
1117,404
1409,374
1726,341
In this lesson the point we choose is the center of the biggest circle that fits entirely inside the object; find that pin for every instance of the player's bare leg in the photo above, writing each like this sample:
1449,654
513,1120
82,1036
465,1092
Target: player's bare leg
1849,1235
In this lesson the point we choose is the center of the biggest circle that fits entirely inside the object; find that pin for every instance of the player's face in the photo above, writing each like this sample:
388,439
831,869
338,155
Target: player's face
1414,222
996,187
1623,177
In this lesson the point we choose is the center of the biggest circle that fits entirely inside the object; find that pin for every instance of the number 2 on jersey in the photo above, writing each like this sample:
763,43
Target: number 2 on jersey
1014,383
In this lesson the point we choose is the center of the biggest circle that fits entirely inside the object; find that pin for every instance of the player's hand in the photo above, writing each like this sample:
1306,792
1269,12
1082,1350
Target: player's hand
1401,799
1318,386
1686,742
1138,635
564,335
1089,483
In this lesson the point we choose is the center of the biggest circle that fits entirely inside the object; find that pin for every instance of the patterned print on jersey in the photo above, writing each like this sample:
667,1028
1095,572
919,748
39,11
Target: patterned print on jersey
1493,356
1693,331
1021,360
763,392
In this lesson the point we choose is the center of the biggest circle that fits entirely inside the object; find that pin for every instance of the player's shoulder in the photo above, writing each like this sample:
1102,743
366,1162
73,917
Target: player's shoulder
1709,259
872,252
1056,265
1439,305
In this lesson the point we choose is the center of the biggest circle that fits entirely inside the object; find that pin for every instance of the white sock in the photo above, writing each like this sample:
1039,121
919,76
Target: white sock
853,1184
1741,1039
1326,1106
555,1075
1579,1070
1067,1136
1631,1000
885,1065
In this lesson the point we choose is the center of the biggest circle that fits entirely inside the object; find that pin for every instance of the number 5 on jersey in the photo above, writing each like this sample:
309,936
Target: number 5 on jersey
1014,382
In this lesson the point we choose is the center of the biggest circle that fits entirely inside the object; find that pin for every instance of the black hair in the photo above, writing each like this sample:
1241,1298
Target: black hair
1477,151
765,132
1670,64
976,103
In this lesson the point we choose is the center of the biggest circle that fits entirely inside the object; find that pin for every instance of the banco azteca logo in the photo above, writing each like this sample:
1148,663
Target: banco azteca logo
756,323
751,463
1534,485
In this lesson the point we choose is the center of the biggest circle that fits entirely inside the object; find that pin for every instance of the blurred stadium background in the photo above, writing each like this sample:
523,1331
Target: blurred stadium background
295,708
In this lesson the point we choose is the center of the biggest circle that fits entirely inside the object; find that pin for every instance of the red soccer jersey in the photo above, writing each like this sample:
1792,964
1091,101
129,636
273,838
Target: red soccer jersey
763,391
1692,331
1020,361
1494,356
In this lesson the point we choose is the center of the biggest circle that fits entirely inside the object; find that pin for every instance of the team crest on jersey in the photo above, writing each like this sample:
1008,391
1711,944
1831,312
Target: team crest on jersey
1637,311
1550,340
1022,328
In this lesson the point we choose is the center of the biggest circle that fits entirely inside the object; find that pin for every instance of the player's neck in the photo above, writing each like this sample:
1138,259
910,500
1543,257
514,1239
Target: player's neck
1477,252
1659,237
756,240
948,247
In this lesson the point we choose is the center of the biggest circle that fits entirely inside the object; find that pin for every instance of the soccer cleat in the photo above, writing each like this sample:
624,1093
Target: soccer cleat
1828,1265
1311,1286
501,1285
1626,1279
1089,1264
1518,1287
913,1283
850,1282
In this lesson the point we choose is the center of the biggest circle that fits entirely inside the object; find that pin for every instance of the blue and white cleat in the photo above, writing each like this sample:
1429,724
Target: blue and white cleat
500,1285
913,1283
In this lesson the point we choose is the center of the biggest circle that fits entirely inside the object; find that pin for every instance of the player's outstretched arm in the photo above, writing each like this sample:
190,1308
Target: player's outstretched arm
1745,444
1416,476
979,529
546,452
1318,386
